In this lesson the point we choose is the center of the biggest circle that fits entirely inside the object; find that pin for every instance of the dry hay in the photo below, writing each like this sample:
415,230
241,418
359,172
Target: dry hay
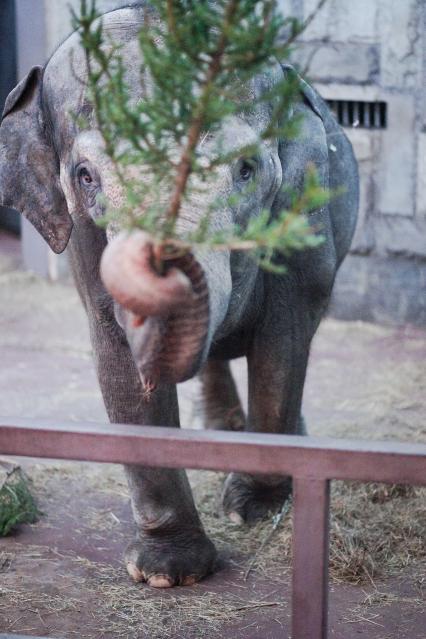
376,531
118,608
382,394
371,608
167,614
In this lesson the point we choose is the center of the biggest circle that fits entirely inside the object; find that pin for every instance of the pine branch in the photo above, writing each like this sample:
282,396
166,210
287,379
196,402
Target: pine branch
199,56
196,126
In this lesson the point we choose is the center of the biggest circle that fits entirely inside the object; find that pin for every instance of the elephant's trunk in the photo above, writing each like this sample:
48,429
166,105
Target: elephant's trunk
166,317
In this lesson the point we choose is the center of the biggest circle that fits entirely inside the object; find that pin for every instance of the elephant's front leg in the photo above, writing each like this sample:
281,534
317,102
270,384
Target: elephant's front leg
171,547
276,369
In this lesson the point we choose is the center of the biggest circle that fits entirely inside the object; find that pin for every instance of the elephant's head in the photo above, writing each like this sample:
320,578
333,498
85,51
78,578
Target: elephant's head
53,173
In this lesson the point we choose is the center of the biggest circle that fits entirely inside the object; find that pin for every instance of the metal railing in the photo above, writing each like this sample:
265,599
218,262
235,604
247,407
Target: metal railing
311,462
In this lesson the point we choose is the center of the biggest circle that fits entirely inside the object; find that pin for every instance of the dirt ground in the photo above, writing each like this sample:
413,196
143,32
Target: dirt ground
63,576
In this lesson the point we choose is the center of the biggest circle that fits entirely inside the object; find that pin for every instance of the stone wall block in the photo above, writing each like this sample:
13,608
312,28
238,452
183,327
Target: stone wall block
342,20
400,23
347,63
396,162
421,178
398,235
378,289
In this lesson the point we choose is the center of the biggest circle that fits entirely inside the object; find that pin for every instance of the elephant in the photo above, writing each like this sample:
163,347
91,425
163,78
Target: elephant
52,171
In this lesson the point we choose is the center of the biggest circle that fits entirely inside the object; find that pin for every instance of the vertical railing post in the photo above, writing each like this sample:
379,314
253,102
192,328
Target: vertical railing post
310,558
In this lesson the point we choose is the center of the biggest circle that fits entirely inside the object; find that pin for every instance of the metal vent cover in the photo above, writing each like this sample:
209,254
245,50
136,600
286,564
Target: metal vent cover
359,114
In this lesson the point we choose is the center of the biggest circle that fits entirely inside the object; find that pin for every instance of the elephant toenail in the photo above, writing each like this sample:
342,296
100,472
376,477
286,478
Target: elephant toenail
236,518
160,581
136,574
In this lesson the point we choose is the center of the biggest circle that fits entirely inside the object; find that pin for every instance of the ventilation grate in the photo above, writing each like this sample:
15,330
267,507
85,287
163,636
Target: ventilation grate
357,114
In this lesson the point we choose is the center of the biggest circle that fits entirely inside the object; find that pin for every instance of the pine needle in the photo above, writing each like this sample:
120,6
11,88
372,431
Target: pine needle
17,505
276,521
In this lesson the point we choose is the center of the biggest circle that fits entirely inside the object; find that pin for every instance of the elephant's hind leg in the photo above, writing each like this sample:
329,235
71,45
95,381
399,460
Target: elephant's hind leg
221,406
276,372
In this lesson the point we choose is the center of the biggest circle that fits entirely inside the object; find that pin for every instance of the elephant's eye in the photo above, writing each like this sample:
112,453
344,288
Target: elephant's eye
84,176
246,170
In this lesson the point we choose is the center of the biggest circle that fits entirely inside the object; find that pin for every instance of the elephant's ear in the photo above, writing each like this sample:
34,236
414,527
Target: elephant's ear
313,99
29,167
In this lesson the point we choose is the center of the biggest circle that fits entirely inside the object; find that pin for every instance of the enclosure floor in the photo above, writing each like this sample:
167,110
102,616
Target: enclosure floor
63,577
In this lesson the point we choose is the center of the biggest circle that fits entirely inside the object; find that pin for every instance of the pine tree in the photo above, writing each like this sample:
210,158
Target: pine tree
199,55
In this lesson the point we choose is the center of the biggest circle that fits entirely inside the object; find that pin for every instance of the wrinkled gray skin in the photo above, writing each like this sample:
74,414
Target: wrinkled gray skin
267,318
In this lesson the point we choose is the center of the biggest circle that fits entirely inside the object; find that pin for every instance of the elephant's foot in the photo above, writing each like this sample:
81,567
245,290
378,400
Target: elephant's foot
164,562
247,500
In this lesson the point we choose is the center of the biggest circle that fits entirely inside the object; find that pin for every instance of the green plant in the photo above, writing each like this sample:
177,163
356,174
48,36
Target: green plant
17,505
200,56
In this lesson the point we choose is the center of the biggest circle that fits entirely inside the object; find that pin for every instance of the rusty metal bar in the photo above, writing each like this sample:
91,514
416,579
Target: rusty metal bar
311,499
312,462
318,458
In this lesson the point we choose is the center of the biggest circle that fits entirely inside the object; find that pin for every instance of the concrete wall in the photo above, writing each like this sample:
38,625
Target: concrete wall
358,50
9,219
376,50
